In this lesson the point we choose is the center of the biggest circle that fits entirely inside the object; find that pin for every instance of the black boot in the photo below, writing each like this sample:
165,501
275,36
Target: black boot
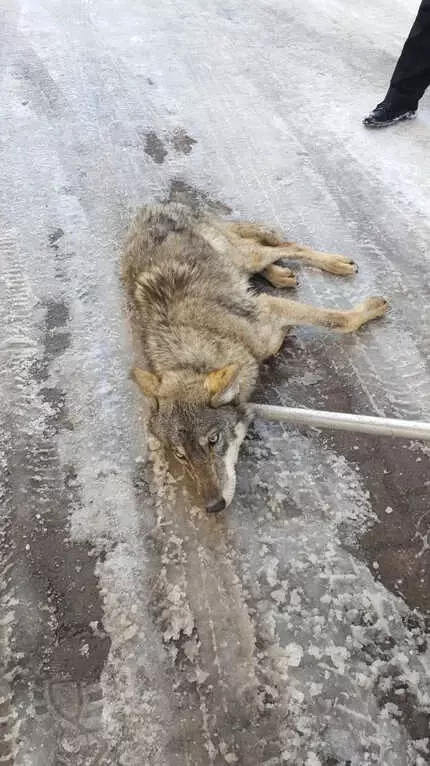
388,113
410,78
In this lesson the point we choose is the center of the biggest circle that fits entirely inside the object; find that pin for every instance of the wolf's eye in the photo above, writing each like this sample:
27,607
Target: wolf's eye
179,454
213,439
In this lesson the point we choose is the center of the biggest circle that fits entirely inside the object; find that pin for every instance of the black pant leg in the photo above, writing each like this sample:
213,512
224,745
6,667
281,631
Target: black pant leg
411,76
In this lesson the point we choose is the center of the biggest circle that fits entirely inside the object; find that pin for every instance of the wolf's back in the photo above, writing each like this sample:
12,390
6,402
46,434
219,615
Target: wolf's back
161,235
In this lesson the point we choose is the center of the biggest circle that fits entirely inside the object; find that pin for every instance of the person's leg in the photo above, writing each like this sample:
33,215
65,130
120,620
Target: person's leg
411,75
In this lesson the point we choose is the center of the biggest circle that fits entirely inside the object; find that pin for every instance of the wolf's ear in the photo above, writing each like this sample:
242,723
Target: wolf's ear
148,383
223,385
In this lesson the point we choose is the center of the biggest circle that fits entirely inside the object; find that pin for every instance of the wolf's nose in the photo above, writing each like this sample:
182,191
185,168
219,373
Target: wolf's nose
216,505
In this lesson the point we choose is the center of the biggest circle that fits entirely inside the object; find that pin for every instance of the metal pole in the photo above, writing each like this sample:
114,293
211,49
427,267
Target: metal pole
367,424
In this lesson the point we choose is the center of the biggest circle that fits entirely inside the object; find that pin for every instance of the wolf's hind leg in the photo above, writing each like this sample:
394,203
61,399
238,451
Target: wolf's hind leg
265,237
256,251
330,262
278,315
291,313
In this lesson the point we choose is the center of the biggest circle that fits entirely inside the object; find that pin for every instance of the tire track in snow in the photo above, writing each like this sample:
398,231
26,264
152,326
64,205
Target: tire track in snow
15,298
330,638
51,645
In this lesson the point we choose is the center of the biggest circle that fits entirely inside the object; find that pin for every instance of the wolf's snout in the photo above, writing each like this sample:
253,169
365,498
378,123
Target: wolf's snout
215,506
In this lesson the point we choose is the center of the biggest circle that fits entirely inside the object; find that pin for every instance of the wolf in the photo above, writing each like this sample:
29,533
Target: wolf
204,331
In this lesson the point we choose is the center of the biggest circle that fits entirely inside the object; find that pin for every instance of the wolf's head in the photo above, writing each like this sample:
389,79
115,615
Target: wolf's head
200,421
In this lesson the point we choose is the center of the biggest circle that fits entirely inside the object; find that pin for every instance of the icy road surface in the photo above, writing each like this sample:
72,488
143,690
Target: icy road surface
291,629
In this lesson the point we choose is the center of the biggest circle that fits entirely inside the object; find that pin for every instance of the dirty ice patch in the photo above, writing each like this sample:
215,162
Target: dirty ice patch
348,660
